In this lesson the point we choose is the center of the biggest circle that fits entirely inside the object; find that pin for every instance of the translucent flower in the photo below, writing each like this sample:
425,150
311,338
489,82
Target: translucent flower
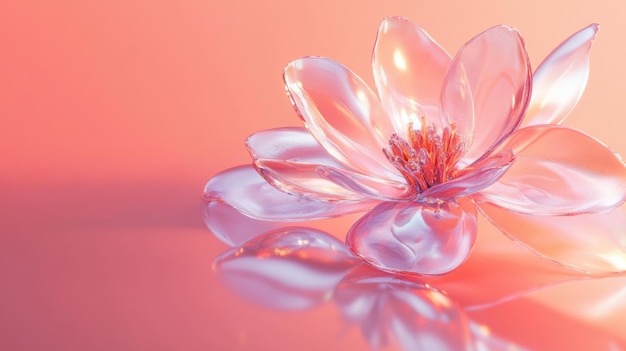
443,137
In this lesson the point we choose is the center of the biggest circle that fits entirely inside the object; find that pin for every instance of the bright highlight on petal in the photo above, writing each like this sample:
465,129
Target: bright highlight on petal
399,60
560,80
415,238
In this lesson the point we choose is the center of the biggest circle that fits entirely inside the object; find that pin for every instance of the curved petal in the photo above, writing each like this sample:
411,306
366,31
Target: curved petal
342,113
594,243
477,177
293,161
558,171
231,226
559,82
494,67
415,238
290,268
243,189
409,68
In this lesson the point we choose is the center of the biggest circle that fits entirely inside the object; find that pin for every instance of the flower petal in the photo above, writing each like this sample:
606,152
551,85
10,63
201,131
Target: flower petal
494,66
594,243
289,268
293,161
342,113
558,171
243,189
231,226
409,68
415,238
477,177
559,82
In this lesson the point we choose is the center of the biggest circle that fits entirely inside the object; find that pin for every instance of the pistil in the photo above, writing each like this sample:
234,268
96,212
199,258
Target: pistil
429,157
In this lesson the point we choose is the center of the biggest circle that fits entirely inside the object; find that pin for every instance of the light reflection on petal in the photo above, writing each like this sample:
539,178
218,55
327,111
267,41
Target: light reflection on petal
498,75
293,161
409,68
559,81
342,113
246,191
415,238
558,171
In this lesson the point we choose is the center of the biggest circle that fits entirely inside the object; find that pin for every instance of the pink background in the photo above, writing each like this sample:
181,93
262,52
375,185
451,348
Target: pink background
115,114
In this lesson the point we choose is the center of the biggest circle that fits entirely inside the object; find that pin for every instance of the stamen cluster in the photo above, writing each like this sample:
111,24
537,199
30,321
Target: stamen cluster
429,157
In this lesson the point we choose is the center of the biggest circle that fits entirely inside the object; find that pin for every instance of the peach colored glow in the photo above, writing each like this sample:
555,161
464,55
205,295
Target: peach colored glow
115,113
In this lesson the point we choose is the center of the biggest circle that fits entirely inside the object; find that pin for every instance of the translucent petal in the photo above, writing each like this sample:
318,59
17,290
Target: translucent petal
558,171
293,161
415,238
246,191
494,67
289,268
409,68
594,243
559,82
395,313
477,177
342,113
231,226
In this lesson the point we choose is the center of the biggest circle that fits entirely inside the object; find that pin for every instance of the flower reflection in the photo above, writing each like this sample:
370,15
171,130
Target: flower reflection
443,137
296,268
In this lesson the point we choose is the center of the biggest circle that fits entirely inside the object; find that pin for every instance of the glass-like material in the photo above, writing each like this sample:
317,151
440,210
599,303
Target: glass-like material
299,269
441,136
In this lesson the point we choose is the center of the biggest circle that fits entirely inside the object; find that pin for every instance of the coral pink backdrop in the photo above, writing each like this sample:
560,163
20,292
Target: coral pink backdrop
115,114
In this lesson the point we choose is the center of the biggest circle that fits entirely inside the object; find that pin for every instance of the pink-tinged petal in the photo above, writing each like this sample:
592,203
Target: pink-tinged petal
409,69
414,238
231,226
558,171
477,177
593,243
243,189
395,313
293,161
559,82
494,68
342,113
289,268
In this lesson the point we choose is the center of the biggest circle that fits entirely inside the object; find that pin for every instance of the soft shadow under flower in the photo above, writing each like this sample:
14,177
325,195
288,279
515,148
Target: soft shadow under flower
443,136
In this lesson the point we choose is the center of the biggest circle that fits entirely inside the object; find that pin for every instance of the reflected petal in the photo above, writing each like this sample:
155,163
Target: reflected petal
289,268
246,191
558,171
397,312
415,238
594,243
495,67
293,161
342,113
478,176
231,226
559,82
409,68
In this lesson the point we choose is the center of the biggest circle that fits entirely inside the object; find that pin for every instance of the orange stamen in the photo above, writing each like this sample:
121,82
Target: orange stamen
429,157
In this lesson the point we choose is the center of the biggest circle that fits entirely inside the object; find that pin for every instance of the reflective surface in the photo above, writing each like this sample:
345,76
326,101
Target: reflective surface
116,114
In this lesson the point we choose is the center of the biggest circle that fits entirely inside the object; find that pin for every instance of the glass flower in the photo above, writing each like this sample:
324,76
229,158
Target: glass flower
443,138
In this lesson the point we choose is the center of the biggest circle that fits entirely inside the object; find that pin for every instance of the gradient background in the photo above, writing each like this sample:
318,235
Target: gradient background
115,113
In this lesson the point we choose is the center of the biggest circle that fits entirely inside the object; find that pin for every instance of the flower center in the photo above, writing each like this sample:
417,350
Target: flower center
429,156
